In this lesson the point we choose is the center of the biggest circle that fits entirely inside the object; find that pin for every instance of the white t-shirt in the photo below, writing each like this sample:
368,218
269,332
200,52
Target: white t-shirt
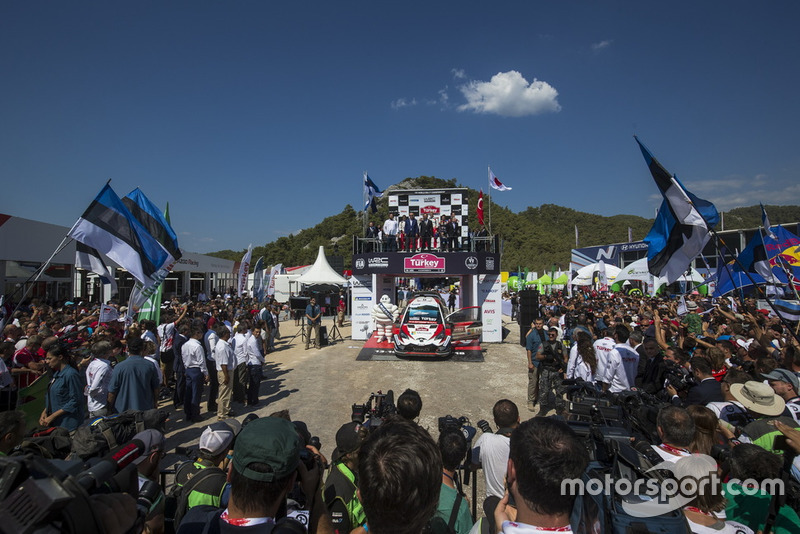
492,451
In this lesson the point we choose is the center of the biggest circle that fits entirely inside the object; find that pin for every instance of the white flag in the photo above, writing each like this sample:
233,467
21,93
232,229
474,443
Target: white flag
494,183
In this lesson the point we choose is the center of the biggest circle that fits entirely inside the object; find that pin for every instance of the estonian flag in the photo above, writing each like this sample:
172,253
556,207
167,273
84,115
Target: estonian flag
371,192
89,259
754,259
154,221
109,227
787,310
682,226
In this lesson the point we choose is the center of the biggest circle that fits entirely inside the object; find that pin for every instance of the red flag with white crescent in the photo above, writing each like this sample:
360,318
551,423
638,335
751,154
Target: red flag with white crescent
480,208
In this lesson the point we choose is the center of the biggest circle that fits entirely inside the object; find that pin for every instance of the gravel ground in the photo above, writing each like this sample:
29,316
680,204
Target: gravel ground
319,386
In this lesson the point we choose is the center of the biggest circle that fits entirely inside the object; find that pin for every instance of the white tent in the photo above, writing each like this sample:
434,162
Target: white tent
585,276
321,273
638,271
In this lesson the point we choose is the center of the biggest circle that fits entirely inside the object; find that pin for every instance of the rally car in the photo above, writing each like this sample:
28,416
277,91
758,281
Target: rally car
425,328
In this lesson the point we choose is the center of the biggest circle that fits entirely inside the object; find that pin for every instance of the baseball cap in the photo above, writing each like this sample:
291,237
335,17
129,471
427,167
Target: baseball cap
784,376
153,440
270,441
348,439
218,437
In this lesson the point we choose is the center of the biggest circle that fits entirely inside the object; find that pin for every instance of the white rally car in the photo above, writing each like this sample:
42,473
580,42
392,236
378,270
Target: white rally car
425,329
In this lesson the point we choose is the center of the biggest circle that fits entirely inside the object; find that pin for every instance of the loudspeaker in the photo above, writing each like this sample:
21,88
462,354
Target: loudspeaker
523,329
323,336
528,306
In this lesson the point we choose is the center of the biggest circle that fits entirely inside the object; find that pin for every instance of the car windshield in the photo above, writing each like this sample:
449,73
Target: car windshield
427,312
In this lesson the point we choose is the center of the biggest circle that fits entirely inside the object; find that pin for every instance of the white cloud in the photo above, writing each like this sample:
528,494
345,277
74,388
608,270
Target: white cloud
403,103
601,45
509,94
738,191
458,74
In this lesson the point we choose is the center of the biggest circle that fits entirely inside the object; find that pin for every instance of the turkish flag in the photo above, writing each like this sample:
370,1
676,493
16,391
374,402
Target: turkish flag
480,208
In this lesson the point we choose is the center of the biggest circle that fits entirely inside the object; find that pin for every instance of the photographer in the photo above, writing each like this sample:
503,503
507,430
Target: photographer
543,453
409,404
706,388
552,362
203,480
453,509
400,473
341,487
266,463
491,450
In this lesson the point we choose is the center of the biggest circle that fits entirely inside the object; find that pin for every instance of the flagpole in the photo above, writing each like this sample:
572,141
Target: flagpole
489,194
736,259
364,202
39,272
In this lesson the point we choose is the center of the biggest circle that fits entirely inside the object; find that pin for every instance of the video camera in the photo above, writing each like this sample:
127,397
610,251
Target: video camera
40,495
372,413
448,423
678,377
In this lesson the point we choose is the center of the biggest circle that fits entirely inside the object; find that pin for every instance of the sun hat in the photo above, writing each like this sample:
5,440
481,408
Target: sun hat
758,397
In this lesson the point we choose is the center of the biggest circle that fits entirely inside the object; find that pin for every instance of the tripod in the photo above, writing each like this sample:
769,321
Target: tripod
334,334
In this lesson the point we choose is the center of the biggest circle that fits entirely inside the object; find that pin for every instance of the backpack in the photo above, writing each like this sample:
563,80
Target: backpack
106,433
437,525
179,494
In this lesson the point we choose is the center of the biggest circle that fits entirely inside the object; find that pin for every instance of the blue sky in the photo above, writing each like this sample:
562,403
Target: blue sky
257,119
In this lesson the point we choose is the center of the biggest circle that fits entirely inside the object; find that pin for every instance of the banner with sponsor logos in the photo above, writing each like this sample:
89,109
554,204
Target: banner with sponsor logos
427,263
490,301
361,304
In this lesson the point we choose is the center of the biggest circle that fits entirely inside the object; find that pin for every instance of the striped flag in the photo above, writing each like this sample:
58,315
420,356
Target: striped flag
682,227
790,311
109,227
89,259
494,183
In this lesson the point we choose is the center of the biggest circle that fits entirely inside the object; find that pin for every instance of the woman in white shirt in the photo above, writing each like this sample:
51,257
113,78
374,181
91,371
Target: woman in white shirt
582,359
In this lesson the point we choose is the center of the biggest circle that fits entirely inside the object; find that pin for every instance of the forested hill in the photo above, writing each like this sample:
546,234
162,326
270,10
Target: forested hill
536,238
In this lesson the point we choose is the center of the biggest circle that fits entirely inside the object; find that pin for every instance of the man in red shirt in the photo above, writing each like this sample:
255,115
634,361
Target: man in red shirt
27,363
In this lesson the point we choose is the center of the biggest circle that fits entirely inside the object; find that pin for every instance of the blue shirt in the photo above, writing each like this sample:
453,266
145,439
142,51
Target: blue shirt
532,343
65,392
312,311
134,381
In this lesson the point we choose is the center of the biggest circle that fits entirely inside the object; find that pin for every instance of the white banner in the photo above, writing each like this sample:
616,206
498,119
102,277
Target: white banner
276,270
244,270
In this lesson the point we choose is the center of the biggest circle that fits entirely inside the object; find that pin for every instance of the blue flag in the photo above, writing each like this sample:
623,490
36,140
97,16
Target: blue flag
371,193
151,218
682,227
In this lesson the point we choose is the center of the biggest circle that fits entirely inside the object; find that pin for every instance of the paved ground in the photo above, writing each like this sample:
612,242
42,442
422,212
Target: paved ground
319,386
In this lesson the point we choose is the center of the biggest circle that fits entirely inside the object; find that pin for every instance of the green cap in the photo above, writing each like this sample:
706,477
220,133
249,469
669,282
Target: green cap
269,440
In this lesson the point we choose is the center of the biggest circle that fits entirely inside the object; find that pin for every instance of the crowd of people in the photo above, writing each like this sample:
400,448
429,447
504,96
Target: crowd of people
722,373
